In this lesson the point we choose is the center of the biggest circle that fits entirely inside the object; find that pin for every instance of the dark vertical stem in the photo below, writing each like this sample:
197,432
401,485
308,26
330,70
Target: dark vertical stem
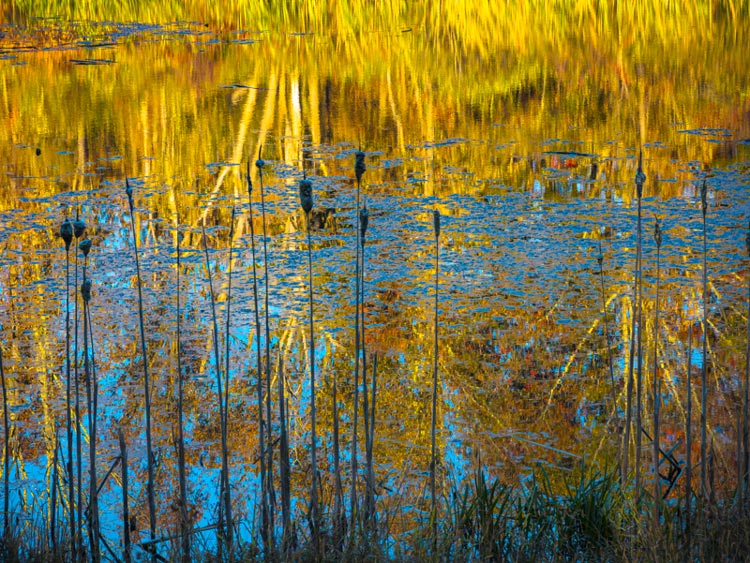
704,366
355,429
78,530
146,379
93,511
184,525
314,516
68,410
656,381
125,504
370,485
223,532
271,494
53,499
262,446
689,445
6,454
746,398
227,489
640,178
433,449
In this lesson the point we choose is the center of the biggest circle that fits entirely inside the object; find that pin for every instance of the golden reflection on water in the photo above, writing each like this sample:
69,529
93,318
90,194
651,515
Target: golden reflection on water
527,149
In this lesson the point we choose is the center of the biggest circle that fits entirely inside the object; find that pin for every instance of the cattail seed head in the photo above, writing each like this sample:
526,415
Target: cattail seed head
78,227
704,198
364,219
359,164
260,162
640,177
85,247
436,222
129,191
66,233
305,195
747,239
657,233
86,290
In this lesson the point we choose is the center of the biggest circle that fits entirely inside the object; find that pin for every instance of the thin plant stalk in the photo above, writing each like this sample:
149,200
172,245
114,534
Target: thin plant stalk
746,396
78,229
370,483
93,511
224,529
6,453
640,179
306,200
359,169
271,494
126,553
66,232
184,524
337,484
265,525
227,489
53,495
433,449
146,379
704,370
689,444
655,377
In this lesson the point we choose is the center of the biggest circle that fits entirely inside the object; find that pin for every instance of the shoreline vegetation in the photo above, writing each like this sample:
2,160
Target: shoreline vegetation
281,407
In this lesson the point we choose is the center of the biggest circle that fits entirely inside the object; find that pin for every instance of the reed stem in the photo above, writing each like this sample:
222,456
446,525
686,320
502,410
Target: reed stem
656,382
6,454
433,449
746,396
704,366
146,379
184,524
640,179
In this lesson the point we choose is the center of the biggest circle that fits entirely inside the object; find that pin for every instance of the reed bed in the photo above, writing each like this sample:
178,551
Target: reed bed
589,514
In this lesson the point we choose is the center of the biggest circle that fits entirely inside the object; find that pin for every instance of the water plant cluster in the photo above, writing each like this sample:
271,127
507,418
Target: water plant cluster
652,505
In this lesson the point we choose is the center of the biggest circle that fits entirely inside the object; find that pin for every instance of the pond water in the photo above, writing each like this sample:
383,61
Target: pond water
527,144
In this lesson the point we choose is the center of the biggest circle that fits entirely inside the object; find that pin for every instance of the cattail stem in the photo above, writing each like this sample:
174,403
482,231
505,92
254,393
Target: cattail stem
262,446
656,381
270,484
6,453
314,516
184,523
126,554
53,495
689,444
433,449
370,483
746,397
600,260
89,374
640,179
704,366
223,531
226,487
146,379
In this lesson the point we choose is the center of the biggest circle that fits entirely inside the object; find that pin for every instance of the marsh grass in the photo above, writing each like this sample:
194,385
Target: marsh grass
746,395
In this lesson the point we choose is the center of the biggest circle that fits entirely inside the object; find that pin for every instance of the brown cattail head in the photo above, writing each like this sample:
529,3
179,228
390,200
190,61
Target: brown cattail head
85,247
747,239
657,233
305,195
129,191
364,219
86,290
704,198
640,177
436,222
78,228
600,257
66,233
359,164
